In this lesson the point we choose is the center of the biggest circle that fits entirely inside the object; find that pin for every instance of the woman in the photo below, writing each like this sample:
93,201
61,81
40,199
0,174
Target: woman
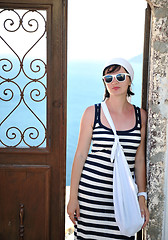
91,207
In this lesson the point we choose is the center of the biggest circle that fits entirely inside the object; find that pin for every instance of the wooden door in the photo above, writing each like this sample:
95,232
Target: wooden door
32,119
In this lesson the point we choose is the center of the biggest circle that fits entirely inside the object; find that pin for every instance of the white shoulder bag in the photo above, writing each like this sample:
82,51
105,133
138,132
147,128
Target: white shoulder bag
126,206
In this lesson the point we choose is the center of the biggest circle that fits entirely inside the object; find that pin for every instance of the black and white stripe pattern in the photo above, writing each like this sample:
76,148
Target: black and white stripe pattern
95,194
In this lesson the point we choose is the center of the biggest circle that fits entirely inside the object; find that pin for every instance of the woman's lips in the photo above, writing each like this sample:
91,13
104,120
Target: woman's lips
116,88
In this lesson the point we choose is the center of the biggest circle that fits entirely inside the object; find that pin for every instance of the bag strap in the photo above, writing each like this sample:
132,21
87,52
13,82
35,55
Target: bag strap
116,142
108,117
110,121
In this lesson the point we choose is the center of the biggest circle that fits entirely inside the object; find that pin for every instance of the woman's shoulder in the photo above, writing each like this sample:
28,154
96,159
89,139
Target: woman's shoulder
142,111
91,109
143,114
143,117
89,114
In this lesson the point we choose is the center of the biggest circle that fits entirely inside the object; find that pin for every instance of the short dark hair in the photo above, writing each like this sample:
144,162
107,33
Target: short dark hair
110,69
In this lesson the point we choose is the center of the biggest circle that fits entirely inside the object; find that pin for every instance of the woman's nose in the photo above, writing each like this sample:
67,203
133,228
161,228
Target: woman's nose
114,80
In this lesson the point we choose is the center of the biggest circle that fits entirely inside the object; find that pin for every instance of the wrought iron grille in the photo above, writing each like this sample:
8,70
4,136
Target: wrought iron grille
23,78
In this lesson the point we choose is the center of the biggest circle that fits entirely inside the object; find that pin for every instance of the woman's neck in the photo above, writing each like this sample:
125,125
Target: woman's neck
117,104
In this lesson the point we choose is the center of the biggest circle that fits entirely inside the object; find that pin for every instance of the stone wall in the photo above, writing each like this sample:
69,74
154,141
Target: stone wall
157,143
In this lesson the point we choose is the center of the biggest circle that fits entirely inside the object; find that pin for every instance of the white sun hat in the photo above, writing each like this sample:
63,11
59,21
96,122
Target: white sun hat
122,62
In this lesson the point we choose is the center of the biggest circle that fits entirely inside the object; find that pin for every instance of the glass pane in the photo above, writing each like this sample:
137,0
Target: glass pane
23,78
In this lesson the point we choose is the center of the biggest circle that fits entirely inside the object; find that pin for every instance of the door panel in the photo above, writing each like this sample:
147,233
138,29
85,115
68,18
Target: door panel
33,120
24,189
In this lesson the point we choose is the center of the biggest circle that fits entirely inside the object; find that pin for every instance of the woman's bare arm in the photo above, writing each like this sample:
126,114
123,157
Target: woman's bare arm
140,168
85,136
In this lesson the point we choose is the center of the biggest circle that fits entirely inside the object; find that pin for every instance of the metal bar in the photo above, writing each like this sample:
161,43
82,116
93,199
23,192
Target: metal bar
21,222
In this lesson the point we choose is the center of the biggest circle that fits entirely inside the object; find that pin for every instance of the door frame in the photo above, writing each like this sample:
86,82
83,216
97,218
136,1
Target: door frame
55,155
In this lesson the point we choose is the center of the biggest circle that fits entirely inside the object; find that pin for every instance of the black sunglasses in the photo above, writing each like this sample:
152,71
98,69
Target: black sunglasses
120,77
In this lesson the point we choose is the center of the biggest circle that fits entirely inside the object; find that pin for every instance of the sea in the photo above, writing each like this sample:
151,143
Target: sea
85,88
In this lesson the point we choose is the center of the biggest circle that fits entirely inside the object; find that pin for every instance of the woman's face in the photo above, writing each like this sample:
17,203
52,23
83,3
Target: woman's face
115,87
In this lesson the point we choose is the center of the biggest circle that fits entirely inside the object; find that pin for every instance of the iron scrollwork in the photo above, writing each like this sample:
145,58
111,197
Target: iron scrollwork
23,81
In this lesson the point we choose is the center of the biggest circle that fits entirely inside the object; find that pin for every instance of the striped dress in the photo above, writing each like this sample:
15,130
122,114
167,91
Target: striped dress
95,194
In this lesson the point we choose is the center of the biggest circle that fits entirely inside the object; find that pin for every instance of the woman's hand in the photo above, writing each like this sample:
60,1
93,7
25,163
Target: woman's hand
73,210
144,210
